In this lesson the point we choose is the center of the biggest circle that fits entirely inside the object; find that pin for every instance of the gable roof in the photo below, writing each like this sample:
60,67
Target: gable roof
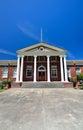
41,44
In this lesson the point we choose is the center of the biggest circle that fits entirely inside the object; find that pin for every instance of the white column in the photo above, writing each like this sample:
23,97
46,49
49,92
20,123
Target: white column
48,69
61,66
21,71
18,65
65,69
35,63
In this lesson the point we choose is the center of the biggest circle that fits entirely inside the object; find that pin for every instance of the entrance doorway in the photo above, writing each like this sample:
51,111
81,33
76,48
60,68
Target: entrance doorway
41,73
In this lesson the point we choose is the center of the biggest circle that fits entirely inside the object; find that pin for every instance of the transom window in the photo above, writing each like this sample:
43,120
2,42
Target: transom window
78,70
29,71
14,72
41,68
30,58
53,58
41,58
5,72
53,71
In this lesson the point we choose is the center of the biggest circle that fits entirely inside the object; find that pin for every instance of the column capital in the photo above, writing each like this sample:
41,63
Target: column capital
61,56
65,56
48,56
22,56
18,56
35,56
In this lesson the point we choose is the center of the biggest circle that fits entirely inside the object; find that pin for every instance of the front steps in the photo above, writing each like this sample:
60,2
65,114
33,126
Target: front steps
42,85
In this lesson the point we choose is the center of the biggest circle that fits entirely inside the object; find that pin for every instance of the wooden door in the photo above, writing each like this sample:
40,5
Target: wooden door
42,76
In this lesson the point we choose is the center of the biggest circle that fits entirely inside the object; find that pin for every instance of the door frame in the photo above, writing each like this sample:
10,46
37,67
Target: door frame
41,68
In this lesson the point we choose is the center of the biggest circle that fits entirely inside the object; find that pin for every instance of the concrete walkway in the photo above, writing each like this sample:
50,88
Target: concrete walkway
41,109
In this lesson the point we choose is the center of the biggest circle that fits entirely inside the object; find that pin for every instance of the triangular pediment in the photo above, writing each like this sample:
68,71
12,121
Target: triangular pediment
41,48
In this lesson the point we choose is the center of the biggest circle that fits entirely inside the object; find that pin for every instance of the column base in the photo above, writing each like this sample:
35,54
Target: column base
19,81
35,81
48,81
65,81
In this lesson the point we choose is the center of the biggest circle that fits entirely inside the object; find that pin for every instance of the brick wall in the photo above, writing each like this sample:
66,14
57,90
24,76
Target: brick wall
73,70
26,63
10,72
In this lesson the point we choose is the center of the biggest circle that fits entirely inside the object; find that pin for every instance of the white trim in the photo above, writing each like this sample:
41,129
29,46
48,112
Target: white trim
68,72
43,69
5,73
54,69
48,69
65,69
28,68
61,66
18,66
21,72
15,72
79,70
35,63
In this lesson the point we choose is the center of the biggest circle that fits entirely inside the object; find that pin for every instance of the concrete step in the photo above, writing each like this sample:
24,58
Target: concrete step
42,85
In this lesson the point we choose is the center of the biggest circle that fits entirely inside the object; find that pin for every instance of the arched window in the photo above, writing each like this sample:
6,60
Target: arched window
41,68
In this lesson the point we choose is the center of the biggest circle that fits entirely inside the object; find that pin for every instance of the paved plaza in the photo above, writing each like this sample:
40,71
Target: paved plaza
41,109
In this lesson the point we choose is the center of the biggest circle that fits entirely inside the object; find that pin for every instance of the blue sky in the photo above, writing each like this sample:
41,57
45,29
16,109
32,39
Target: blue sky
21,21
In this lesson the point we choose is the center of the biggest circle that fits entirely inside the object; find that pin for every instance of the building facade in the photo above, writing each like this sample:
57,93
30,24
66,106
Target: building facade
40,62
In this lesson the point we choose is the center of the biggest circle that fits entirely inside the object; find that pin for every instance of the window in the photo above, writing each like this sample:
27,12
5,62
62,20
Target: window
53,58
14,72
78,70
42,58
68,73
53,71
5,73
29,72
41,48
29,58
41,68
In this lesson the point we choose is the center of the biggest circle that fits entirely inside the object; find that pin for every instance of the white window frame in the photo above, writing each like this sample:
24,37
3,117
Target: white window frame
39,68
77,71
68,72
15,72
53,60
54,68
28,68
41,48
5,74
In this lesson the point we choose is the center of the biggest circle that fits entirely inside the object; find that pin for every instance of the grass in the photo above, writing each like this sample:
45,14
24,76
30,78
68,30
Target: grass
2,90
80,87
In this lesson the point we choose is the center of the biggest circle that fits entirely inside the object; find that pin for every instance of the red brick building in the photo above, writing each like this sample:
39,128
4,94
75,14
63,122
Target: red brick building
40,62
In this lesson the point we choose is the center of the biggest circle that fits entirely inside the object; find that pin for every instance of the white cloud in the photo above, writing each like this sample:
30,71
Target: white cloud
28,30
7,52
70,55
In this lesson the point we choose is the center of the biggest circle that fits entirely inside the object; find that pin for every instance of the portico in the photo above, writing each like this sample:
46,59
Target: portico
41,62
